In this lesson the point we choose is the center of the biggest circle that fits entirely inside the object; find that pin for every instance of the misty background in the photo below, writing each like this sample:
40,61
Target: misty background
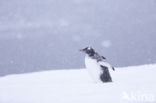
38,35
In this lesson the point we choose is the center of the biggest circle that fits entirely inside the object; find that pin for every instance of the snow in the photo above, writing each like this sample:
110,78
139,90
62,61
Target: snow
135,84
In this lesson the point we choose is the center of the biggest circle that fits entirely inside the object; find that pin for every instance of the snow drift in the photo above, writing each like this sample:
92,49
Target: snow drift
130,84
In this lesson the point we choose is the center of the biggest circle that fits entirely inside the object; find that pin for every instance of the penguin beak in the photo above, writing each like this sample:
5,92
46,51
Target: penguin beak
81,50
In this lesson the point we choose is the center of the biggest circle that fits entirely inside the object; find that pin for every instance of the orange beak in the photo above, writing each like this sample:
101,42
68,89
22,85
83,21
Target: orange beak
81,50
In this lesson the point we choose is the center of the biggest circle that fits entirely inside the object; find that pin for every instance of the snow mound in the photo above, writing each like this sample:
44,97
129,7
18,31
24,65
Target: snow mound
130,84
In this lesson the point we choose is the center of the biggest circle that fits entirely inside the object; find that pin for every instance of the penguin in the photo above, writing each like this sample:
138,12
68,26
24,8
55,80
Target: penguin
97,66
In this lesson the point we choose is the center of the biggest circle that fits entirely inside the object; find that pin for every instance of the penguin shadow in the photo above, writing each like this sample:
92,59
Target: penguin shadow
105,75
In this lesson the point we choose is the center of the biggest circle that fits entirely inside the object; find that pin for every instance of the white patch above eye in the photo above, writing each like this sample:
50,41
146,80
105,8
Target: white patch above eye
89,48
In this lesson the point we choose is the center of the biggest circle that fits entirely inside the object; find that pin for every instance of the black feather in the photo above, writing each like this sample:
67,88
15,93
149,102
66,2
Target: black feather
113,68
105,76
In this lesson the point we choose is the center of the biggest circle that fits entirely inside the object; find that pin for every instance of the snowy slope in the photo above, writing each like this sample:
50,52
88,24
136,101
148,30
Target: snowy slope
131,85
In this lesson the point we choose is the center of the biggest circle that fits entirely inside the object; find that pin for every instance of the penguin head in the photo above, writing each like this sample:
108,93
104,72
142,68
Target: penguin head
88,50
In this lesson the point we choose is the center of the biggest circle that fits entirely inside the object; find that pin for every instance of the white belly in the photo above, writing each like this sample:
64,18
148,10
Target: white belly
93,68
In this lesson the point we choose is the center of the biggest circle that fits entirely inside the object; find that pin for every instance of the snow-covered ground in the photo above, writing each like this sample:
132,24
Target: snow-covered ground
130,85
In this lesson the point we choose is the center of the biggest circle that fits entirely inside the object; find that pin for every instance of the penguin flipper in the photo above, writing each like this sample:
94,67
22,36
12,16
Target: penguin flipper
106,64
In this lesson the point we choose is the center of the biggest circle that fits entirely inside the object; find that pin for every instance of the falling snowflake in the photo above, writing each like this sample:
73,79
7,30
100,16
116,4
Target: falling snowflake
63,23
106,43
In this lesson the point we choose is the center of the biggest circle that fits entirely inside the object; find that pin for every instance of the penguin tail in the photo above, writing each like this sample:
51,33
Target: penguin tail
113,68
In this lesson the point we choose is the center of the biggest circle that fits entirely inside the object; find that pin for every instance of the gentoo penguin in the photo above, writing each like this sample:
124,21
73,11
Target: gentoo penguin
97,66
